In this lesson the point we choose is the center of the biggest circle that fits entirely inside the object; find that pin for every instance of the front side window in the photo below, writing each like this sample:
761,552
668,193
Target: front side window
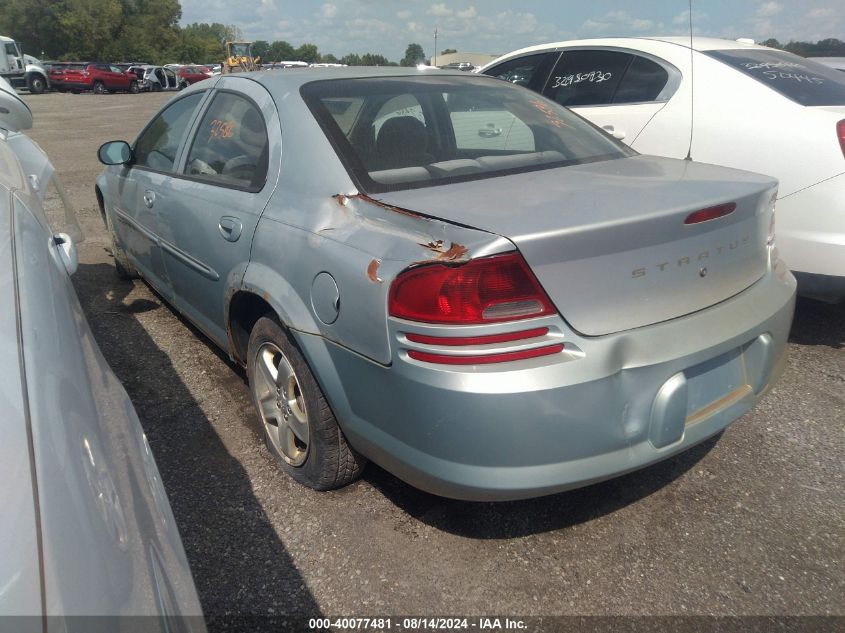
231,145
423,131
797,78
586,78
157,145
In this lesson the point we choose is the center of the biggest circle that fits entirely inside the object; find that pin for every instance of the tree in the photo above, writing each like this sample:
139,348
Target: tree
328,58
280,51
351,59
307,53
372,59
413,55
260,48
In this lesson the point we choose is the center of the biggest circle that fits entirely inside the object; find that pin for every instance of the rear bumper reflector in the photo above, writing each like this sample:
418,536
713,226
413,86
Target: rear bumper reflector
477,340
504,357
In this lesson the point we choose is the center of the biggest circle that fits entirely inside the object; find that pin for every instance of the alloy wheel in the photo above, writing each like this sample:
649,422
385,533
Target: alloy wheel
281,404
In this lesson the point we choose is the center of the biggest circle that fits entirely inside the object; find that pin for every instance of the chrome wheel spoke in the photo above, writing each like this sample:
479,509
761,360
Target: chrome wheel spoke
274,431
267,368
299,428
287,443
269,408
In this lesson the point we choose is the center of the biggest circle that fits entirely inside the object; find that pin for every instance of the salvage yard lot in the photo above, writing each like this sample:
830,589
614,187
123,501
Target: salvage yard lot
750,523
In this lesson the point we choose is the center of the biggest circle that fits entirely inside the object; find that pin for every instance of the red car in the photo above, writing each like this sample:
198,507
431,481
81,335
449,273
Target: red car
100,78
193,74
57,70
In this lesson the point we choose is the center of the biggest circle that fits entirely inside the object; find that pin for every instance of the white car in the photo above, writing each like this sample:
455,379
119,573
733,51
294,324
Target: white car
834,62
725,102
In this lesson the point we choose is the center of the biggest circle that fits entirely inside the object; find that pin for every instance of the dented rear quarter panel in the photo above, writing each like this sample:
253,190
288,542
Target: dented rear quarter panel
317,221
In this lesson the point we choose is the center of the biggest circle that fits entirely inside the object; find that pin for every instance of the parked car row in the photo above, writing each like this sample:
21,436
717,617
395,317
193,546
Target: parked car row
101,78
459,279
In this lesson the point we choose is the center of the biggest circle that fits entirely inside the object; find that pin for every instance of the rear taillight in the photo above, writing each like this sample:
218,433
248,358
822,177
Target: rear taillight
840,132
486,290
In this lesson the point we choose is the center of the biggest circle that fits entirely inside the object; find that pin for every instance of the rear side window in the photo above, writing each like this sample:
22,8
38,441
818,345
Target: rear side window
801,80
529,71
643,81
230,146
157,145
587,77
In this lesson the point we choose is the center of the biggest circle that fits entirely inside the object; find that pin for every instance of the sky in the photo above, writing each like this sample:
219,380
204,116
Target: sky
498,26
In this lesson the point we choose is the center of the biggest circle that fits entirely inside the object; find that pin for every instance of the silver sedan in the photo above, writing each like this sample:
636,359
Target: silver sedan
452,276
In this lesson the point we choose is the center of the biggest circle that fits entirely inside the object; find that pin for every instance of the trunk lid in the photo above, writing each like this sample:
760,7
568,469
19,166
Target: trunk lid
608,240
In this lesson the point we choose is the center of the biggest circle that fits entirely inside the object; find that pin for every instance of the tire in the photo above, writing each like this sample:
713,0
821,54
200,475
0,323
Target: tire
134,88
37,84
299,427
99,88
122,267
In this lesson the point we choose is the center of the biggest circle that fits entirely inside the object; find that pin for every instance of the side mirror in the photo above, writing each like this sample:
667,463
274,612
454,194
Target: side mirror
114,153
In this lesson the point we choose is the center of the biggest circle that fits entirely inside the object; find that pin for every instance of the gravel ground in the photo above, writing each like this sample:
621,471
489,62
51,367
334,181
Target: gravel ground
751,523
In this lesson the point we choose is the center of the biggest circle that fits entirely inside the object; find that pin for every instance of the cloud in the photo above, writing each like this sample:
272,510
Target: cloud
616,23
404,15
467,14
768,9
822,12
439,10
328,10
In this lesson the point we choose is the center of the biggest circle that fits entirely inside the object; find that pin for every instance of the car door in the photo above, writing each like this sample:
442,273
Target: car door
172,80
142,188
618,90
228,172
118,80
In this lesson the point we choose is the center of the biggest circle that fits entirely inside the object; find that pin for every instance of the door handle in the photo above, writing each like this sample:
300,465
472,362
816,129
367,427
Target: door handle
230,228
490,131
149,198
617,134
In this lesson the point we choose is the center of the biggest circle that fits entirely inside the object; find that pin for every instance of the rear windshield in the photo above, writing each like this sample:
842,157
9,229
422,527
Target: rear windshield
407,132
803,80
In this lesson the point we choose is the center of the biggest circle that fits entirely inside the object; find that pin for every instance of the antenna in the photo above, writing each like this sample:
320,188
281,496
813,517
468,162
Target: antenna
691,87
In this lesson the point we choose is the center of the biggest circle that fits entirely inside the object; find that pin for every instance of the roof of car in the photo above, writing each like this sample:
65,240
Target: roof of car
698,44
294,79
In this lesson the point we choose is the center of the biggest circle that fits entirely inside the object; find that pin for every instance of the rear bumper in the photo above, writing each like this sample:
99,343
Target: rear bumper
536,427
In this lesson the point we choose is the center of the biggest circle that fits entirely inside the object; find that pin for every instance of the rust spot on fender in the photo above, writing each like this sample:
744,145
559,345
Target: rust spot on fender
372,271
341,199
456,252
